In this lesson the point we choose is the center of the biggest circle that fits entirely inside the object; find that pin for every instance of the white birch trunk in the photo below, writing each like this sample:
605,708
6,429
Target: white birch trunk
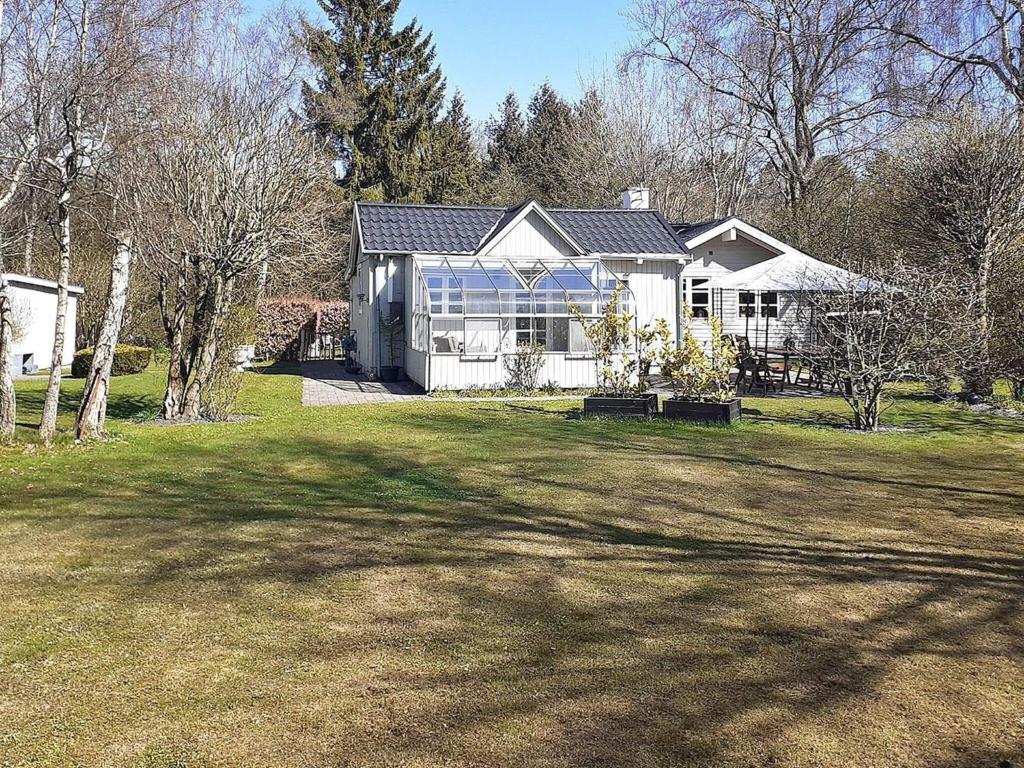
92,412
8,400
48,424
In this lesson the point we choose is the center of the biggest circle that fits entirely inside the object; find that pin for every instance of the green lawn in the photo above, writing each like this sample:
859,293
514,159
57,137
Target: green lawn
449,584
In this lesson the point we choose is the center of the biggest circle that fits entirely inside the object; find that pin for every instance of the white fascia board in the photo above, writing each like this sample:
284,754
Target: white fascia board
683,257
355,239
749,230
36,282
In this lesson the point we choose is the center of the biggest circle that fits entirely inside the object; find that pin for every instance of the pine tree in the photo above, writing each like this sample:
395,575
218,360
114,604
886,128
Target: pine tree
377,97
548,145
454,164
506,137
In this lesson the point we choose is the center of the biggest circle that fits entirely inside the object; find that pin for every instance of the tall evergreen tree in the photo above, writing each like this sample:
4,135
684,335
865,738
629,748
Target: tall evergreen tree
506,136
377,97
454,165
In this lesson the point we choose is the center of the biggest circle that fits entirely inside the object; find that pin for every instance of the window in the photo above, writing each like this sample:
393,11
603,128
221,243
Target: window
447,335
579,344
698,296
769,304
555,334
445,295
747,302
483,336
531,330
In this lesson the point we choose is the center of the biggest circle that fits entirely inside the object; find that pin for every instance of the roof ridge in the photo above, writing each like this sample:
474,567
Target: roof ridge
605,210
382,204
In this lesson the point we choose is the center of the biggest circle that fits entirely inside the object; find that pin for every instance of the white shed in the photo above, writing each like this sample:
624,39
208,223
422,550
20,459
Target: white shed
35,316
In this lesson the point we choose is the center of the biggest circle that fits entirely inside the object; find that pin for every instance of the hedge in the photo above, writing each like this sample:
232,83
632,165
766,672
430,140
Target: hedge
127,360
280,324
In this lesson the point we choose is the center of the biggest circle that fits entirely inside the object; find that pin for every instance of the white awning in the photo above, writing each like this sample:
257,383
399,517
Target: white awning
788,272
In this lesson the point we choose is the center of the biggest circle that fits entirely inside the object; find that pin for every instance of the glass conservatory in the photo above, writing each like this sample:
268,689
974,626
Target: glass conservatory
474,308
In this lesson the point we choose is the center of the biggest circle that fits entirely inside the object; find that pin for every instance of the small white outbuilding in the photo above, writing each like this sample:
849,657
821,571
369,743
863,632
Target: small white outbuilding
35,316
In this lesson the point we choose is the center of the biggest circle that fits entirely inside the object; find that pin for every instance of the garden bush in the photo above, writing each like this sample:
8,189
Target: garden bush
127,360
280,324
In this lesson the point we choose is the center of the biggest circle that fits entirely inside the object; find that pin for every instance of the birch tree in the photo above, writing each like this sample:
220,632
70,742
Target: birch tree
974,47
102,47
92,411
28,40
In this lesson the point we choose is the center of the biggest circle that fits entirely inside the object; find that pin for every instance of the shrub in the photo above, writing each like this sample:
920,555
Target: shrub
692,372
127,360
281,323
611,335
522,367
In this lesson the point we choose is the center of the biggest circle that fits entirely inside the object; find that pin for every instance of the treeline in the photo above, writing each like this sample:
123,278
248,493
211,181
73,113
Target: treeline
183,163
862,131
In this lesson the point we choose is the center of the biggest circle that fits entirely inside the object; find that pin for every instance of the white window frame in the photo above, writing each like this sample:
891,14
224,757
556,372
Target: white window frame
496,327
760,306
709,307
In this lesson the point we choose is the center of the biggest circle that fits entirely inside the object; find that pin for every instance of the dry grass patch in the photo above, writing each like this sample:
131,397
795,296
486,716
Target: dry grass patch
491,584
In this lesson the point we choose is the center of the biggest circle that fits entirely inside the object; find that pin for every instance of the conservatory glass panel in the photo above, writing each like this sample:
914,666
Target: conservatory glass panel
484,335
514,295
443,291
481,296
533,291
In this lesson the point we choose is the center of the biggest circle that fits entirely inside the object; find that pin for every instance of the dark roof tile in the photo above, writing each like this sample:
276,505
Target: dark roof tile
687,231
452,229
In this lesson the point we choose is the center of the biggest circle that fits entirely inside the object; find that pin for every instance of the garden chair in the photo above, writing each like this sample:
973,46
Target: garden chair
758,373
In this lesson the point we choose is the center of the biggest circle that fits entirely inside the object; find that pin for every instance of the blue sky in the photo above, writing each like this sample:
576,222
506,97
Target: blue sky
486,48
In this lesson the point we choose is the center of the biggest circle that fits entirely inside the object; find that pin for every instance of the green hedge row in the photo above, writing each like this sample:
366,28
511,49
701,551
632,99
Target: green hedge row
127,360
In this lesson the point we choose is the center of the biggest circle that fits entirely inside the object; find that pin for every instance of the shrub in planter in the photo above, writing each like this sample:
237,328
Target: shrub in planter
701,387
621,375
127,360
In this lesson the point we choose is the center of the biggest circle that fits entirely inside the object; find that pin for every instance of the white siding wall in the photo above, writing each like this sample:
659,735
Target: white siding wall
532,237
416,366
35,310
458,372
718,257
654,287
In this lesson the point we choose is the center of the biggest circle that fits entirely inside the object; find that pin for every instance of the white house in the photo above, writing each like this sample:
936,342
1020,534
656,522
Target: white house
35,316
445,292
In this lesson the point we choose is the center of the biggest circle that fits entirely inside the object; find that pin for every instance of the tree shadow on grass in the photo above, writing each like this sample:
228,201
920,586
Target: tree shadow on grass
605,622
119,406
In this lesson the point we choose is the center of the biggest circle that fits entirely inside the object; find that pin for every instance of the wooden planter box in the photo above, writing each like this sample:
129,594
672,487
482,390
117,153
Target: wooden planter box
642,407
693,410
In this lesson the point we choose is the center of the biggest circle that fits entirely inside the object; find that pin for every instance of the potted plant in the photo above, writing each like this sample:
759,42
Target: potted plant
621,391
391,328
701,386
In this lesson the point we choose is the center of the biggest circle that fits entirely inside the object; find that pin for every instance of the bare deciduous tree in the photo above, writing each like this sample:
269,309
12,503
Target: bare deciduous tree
970,43
811,76
232,184
887,324
28,40
954,200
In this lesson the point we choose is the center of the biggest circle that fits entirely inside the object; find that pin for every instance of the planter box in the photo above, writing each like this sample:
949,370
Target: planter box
692,410
621,407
